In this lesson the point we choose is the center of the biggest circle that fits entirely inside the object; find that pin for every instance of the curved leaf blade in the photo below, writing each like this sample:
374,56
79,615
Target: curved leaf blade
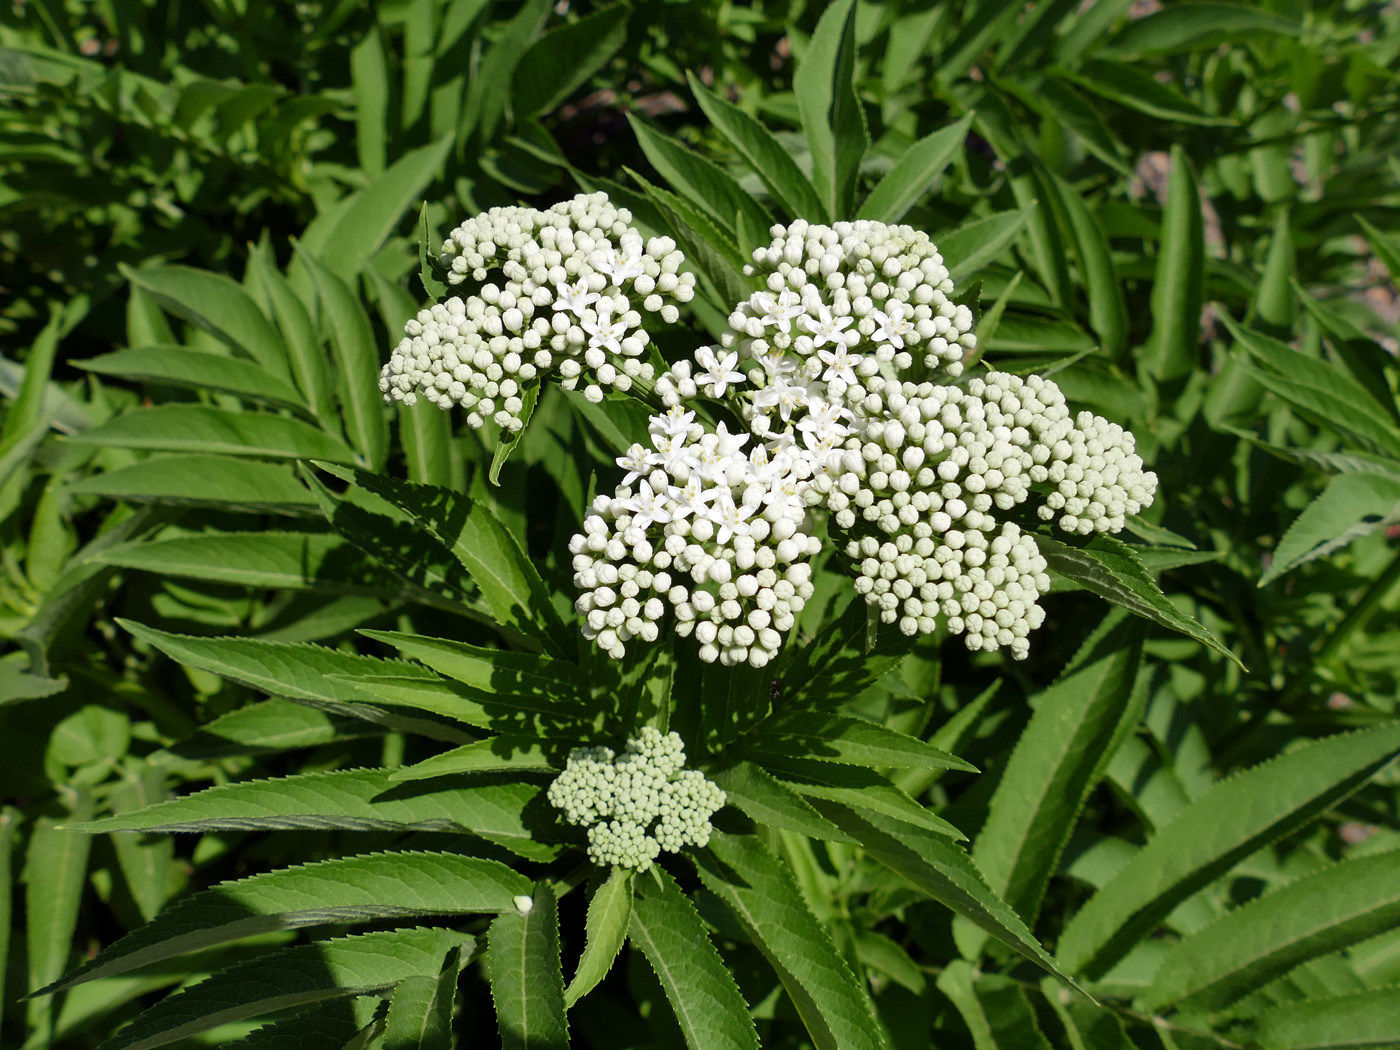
214,431
527,984
198,370
605,932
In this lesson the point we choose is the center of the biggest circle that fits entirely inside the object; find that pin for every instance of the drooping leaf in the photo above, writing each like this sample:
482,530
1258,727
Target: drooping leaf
1109,568
292,977
762,895
1354,1021
764,154
1057,761
218,305
305,356
331,1025
1331,909
198,370
914,174
345,890
356,800
1108,311
940,868
605,932
1229,822
666,928
215,431
527,983
560,62
221,481
1353,505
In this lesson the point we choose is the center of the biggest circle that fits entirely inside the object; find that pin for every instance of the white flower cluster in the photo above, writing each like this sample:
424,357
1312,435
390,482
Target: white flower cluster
638,803
565,307
710,532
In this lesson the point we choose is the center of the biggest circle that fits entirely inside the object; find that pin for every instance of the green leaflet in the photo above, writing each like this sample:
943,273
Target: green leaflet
214,431
1108,311
527,984
605,932
488,551
699,180
764,154
375,214
218,305
561,61
1177,290
506,443
1087,1025
838,664
832,118
300,976
349,889
145,862
498,673
355,800
1137,89
1058,760
357,364
9,825
997,1011
420,1009
1343,1022
331,1025
307,359
1331,909
541,715
708,249
767,800
199,370
1109,567
299,560
499,754
1228,823
667,929
206,481
1353,505
266,728
816,779
294,670
369,75
55,871
977,242
914,174
761,893
1193,26
941,869
845,740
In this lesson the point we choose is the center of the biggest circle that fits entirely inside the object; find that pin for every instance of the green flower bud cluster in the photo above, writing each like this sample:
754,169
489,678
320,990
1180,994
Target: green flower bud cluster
638,803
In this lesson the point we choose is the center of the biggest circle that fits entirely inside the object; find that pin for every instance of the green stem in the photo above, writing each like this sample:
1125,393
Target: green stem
1361,611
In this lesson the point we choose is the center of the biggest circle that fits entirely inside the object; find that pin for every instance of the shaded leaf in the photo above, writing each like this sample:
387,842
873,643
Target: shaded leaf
527,984
605,932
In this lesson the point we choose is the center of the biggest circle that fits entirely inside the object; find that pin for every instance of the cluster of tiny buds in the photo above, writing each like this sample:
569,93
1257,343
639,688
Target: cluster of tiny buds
639,803
710,532
564,308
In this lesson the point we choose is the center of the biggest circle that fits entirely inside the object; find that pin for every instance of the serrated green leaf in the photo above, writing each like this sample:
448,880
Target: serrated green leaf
304,353
914,174
1137,89
699,180
499,754
356,800
420,1009
296,671
345,890
488,551
286,979
976,243
832,118
1197,27
1369,1020
219,306
1108,310
540,715
666,928
332,1025
1232,820
707,248
1174,348
215,431
509,442
1109,568
357,364
220,481
838,665
816,779
1326,911
764,154
761,893
145,863
998,1013
375,214
767,800
562,60
527,984
1056,763
1320,460
845,740
299,560
497,673
1352,506
943,870
266,728
605,932
198,370
55,872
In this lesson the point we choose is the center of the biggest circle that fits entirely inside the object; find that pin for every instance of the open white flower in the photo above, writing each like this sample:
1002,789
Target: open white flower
719,372
576,297
780,311
623,264
605,333
840,364
827,326
892,325
731,517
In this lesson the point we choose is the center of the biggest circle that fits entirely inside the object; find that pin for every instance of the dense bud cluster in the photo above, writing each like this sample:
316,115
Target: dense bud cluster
638,803
703,529
565,307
